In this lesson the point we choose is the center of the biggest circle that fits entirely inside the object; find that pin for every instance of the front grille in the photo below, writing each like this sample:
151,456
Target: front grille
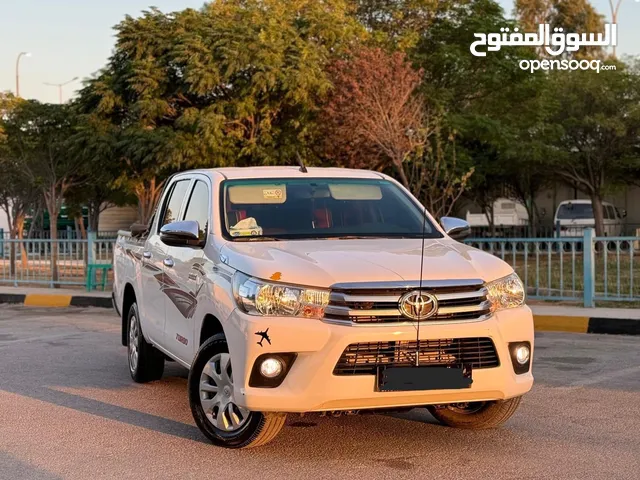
365,358
378,303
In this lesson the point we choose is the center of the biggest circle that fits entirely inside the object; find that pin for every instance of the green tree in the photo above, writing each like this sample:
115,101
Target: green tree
95,143
235,83
398,24
597,122
37,144
574,16
495,107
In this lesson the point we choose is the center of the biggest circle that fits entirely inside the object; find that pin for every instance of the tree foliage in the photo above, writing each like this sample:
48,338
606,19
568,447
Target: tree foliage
235,83
372,118
36,145
597,120
574,16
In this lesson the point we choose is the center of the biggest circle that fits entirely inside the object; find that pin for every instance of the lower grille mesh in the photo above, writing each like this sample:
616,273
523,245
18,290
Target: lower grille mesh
365,358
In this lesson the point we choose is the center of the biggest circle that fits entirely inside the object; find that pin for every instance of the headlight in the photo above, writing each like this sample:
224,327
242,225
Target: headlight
506,292
257,297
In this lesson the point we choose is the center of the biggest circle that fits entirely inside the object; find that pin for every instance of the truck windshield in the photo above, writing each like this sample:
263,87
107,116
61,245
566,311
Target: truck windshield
312,208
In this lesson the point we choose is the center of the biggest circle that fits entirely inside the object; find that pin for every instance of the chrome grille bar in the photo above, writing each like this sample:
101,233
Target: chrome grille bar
373,302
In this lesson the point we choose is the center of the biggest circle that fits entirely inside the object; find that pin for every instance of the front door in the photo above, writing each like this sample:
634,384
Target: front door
186,267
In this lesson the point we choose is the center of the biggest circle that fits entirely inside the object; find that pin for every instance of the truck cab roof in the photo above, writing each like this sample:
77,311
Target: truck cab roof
288,172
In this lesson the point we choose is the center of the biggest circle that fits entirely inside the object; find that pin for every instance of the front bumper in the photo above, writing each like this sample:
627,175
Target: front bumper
310,385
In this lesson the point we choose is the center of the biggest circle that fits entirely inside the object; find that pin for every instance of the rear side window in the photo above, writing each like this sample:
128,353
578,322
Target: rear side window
174,202
198,207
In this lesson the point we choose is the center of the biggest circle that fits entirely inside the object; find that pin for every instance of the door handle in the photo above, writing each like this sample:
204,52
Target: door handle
146,254
168,262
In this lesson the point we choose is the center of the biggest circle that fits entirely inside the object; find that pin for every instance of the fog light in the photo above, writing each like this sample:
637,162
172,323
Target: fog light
271,367
522,354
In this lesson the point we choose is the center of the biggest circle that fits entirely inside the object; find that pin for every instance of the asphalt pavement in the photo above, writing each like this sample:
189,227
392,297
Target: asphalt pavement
68,409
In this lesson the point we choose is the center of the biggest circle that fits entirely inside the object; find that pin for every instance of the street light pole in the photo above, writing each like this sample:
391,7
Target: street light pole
614,16
20,55
60,85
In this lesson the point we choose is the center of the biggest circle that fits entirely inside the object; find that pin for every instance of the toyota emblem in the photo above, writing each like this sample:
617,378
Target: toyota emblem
417,305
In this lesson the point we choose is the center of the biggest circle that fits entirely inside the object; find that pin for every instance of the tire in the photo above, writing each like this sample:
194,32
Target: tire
476,416
149,364
253,429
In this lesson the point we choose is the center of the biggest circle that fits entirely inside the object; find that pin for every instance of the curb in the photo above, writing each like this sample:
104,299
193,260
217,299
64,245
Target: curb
610,326
53,300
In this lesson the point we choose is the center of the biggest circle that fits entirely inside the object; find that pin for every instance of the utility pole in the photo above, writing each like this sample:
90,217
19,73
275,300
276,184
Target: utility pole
614,17
20,55
60,85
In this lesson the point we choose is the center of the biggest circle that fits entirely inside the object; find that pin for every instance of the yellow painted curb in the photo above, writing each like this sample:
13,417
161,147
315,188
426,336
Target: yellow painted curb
38,300
557,323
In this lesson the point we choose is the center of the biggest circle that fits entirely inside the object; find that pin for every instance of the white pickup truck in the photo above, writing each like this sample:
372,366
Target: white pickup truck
292,290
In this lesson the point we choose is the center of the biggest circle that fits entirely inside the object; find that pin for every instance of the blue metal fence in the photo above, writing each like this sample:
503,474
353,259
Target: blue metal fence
29,261
585,269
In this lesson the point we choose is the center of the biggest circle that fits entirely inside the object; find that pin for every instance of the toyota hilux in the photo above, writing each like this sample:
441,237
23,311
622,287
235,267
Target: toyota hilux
287,290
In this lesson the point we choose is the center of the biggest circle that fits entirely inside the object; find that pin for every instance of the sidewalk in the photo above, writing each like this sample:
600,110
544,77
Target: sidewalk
55,297
547,317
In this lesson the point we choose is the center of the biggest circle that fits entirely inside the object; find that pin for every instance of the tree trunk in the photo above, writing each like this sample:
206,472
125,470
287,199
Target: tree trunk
19,222
598,214
533,231
80,223
12,252
53,229
34,220
94,216
147,194
403,177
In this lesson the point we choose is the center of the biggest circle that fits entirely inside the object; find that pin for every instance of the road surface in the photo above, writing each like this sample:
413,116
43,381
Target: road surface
68,409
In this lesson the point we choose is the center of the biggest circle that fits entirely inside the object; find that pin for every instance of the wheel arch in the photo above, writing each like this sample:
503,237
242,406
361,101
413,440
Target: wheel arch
128,299
211,326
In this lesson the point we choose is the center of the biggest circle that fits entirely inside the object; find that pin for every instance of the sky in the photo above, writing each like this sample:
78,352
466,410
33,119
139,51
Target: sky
74,38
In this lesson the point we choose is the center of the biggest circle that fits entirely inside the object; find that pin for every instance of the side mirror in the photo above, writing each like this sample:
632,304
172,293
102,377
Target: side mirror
624,214
456,228
181,234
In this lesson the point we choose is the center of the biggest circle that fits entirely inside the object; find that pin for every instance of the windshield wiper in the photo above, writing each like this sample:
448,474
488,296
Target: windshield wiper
256,239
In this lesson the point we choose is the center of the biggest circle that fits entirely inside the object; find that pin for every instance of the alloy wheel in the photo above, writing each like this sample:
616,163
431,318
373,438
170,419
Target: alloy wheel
216,395
134,337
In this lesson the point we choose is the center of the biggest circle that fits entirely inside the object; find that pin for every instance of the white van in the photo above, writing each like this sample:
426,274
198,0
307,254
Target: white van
506,213
576,215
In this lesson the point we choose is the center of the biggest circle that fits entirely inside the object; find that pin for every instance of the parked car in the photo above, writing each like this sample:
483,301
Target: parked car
287,290
573,216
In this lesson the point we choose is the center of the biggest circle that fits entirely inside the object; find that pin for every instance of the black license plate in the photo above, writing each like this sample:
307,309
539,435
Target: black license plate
403,379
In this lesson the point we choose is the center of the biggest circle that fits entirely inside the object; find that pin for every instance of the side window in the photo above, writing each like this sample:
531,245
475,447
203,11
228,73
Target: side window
198,207
172,206
609,213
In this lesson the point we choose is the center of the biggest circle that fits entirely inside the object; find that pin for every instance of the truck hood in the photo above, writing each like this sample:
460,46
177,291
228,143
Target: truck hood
322,263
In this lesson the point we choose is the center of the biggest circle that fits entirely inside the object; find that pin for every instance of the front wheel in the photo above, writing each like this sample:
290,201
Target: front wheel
475,415
213,404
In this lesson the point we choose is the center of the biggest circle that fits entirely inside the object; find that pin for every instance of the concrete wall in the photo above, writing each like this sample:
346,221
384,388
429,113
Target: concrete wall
117,218
4,222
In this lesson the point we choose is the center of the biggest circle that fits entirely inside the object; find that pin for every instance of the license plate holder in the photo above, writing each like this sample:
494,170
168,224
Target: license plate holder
403,379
